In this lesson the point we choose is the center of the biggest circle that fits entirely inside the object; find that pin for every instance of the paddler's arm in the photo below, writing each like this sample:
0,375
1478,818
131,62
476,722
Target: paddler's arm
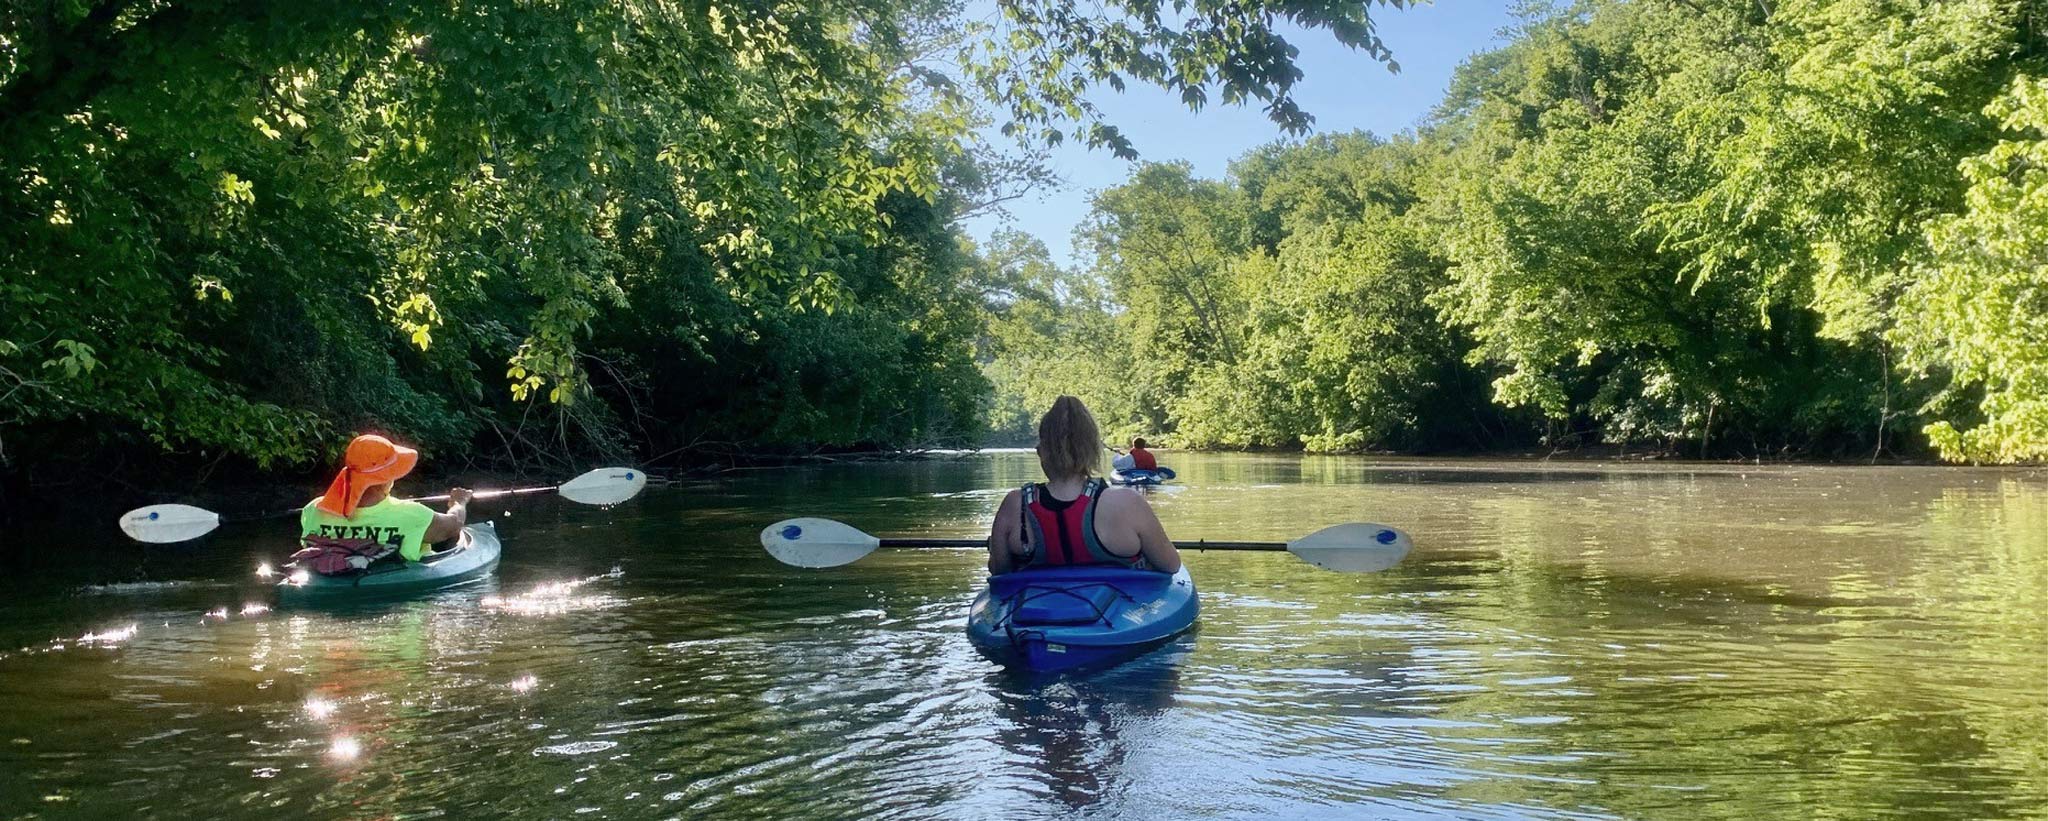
1153,543
449,525
1006,536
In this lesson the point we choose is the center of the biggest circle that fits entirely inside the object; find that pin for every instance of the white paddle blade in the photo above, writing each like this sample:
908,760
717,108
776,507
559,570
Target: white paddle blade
604,486
809,542
163,524
1357,547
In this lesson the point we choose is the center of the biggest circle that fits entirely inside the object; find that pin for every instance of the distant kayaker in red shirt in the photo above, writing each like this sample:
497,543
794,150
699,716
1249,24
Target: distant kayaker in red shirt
1137,459
1140,457
1074,517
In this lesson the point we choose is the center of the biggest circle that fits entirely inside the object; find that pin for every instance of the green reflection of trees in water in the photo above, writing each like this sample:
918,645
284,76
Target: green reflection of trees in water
1906,682
1681,649
1077,733
2000,606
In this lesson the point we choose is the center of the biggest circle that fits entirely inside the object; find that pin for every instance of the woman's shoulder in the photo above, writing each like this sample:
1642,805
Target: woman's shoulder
1118,496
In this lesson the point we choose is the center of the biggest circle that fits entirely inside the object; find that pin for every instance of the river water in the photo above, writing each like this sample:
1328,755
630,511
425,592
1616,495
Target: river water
1568,640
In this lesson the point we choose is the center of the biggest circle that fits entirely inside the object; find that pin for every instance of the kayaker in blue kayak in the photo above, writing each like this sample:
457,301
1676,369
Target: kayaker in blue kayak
1075,518
357,521
1137,459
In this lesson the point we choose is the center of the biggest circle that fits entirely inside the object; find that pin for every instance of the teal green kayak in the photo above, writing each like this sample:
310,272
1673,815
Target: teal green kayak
474,557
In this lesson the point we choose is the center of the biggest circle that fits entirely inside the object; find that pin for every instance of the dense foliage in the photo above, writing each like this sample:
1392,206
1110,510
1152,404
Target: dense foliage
1811,227
524,230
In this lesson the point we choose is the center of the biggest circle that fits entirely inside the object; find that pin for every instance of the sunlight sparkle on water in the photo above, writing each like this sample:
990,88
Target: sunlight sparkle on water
552,598
254,608
1468,683
114,636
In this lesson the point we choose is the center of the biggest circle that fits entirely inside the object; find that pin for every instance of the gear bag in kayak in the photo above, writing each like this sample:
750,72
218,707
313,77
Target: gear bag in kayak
340,557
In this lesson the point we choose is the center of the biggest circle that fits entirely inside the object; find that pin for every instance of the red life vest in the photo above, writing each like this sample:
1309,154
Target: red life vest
1142,459
1062,534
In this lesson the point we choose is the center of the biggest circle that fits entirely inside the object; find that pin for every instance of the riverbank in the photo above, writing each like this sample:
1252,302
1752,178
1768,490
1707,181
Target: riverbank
97,498
244,491
1609,453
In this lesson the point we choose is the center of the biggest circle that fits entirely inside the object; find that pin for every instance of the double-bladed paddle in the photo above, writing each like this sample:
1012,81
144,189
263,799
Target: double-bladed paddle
162,524
1356,547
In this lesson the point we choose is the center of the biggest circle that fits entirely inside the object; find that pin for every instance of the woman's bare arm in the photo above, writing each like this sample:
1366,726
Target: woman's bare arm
1158,550
1133,514
1005,540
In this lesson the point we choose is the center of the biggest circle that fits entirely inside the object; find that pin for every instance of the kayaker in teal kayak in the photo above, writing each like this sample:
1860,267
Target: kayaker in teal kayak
358,517
1075,518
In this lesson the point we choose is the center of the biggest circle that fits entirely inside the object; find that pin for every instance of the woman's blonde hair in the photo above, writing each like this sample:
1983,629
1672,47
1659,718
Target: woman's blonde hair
1069,443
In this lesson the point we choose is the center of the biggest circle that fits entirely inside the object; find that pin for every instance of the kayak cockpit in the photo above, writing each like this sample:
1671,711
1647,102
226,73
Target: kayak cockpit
1063,618
474,557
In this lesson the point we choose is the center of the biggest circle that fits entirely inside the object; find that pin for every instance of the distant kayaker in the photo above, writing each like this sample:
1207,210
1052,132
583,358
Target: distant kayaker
358,512
1075,518
1137,459
1140,457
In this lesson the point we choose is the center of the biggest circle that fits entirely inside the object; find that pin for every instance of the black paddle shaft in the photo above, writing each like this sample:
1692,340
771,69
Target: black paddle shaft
1196,545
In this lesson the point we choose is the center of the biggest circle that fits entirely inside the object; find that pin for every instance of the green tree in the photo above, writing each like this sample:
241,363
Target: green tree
1051,332
245,228
1163,244
1680,222
1976,312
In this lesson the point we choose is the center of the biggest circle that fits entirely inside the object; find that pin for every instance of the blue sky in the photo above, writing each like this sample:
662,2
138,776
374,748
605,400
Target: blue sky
1344,89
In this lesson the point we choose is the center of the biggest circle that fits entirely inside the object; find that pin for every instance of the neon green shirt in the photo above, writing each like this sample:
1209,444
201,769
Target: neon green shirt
394,522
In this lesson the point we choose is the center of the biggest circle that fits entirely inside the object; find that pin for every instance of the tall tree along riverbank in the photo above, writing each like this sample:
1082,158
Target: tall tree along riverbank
232,233
525,233
1811,228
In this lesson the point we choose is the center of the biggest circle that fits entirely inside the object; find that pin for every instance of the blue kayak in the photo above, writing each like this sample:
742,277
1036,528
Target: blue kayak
1140,476
1051,619
474,557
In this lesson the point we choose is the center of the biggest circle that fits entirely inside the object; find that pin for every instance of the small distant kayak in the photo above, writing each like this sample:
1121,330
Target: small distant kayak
1054,619
474,557
1140,476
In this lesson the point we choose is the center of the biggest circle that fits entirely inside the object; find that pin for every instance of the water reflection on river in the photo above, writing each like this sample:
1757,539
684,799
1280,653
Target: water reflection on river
1568,641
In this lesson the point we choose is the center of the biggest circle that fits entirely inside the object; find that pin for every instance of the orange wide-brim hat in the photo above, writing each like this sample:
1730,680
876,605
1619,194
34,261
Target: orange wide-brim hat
372,460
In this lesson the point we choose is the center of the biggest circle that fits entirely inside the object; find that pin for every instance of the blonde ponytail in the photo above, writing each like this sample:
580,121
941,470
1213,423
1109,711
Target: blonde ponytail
1069,442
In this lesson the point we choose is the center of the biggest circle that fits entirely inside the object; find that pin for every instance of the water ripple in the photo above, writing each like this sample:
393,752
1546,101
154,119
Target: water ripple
1600,644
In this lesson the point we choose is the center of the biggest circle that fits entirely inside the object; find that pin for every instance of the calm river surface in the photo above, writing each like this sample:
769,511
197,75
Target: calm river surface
1567,641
